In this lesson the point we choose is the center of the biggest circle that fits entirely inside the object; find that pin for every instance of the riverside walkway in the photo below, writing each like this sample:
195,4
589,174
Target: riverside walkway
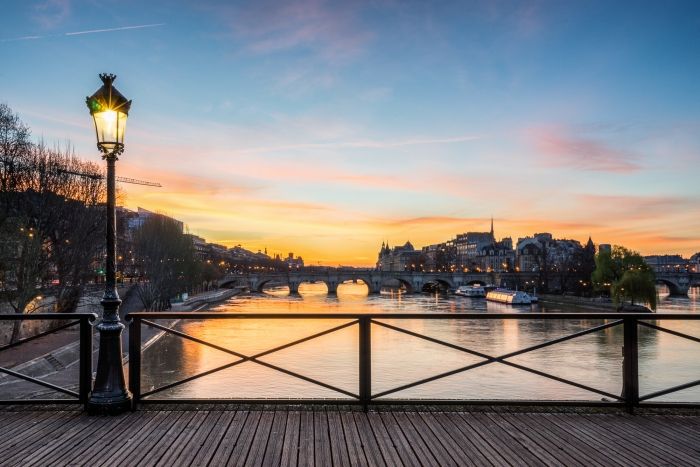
220,434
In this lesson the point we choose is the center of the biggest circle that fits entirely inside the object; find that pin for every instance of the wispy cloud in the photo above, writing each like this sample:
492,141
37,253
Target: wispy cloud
51,13
332,30
367,144
557,147
79,33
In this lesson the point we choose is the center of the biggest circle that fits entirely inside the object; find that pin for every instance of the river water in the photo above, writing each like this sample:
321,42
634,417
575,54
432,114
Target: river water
397,359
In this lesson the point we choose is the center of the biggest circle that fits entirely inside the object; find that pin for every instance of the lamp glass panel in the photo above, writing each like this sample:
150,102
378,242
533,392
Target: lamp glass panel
110,126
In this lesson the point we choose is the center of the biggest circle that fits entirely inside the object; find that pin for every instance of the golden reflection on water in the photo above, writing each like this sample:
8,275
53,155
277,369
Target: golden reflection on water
397,358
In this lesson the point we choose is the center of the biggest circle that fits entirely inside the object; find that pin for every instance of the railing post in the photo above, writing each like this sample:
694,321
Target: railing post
135,360
365,361
630,364
85,377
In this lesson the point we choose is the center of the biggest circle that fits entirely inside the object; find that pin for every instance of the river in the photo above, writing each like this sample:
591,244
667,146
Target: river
594,360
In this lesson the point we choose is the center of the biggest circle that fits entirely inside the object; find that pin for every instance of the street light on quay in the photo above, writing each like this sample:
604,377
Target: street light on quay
109,110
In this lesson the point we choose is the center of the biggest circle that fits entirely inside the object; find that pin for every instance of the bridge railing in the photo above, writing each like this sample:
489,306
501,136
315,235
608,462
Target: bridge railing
84,321
629,396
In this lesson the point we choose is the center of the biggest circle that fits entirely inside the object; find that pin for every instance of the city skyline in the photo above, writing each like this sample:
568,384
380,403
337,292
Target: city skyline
326,128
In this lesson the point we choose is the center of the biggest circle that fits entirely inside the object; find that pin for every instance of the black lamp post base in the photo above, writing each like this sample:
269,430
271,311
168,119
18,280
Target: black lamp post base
110,395
104,405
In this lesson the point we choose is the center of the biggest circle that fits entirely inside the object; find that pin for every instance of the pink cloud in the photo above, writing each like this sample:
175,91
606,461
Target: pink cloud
557,147
332,30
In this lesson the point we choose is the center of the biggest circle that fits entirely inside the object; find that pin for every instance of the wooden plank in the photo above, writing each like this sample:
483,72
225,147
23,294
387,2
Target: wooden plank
369,444
211,443
507,447
150,438
113,450
181,444
386,444
306,438
161,440
546,441
599,447
273,453
481,445
242,447
37,433
14,421
562,439
401,443
230,439
339,449
450,444
290,445
683,439
79,451
679,422
256,454
423,452
352,439
434,444
322,440
26,424
532,445
69,441
196,442
644,439
48,441
612,443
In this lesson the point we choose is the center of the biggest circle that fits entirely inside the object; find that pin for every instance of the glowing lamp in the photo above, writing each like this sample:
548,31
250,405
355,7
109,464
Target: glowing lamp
109,109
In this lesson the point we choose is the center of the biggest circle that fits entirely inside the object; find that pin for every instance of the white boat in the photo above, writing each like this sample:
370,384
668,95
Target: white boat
511,297
474,291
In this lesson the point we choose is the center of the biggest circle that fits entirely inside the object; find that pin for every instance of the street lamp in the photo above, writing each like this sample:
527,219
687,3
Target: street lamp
109,110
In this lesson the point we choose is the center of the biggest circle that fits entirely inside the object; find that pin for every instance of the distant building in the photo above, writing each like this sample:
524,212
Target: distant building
604,248
399,258
694,263
667,263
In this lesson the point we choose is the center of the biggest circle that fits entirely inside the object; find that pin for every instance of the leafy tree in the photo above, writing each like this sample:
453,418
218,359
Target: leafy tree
635,285
625,274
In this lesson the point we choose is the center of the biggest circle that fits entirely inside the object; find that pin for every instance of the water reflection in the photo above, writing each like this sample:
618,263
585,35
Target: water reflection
398,359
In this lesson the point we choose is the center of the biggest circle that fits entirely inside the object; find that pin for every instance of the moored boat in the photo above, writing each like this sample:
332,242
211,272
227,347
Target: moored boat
473,291
511,297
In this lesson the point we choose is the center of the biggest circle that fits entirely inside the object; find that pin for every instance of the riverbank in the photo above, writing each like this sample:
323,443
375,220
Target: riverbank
54,358
590,303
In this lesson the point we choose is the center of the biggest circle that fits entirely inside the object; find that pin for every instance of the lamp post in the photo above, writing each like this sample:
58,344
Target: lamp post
109,110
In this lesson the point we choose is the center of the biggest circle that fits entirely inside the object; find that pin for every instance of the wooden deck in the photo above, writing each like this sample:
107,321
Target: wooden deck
331,436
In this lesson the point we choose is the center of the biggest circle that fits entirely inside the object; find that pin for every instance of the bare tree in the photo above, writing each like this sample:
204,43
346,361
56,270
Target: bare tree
167,256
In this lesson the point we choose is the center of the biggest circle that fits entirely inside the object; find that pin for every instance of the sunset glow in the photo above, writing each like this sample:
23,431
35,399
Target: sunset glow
325,128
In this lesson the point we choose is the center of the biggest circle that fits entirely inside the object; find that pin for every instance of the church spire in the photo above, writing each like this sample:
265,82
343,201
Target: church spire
492,226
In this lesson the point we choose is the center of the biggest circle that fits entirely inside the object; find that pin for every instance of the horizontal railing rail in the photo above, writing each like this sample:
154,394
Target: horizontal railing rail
84,321
630,322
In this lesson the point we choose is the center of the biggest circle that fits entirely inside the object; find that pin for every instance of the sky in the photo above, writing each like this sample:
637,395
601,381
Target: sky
324,128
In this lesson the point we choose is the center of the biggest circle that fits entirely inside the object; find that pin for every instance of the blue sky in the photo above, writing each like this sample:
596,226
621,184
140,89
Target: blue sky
326,127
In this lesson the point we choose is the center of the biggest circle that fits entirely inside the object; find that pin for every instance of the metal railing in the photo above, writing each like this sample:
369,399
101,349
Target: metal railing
629,397
85,322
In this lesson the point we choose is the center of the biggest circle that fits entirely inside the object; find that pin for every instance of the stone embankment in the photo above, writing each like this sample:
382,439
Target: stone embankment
601,304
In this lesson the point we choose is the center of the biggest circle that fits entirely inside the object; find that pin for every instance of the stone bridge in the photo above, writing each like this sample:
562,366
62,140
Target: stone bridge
414,282
678,283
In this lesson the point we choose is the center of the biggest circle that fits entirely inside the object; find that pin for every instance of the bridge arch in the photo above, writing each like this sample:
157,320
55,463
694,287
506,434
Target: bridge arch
673,287
441,283
364,280
403,281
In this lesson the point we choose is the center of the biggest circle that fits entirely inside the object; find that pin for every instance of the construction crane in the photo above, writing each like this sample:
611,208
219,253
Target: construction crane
133,181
